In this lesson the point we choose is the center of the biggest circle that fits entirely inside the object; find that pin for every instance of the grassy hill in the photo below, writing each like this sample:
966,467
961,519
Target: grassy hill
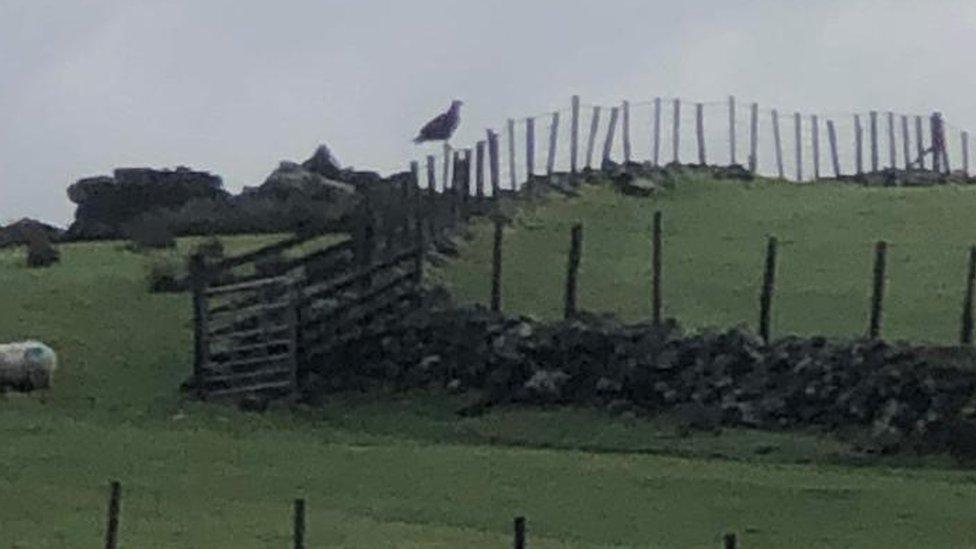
715,240
402,470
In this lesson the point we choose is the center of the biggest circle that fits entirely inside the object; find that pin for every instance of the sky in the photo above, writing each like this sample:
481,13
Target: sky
234,87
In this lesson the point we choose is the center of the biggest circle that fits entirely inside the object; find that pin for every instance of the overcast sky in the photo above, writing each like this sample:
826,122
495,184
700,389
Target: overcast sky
233,87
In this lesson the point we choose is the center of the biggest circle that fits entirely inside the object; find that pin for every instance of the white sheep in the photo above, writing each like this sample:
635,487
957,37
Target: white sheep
26,365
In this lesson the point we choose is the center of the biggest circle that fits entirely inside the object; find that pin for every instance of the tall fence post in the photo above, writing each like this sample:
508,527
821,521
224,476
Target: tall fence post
906,149
625,130
496,267
778,145
657,131
966,331
766,297
832,139
731,129
529,148
431,179
479,170
447,167
815,134
919,144
198,283
753,138
798,125
511,155
574,134
455,196
493,164
892,154
114,506
965,152
934,123
591,139
676,130
874,140
519,533
553,137
656,270
611,128
298,524
877,293
700,132
572,271
858,145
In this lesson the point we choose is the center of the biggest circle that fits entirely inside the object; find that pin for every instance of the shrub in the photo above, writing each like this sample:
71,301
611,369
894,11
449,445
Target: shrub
40,251
211,248
164,276
151,231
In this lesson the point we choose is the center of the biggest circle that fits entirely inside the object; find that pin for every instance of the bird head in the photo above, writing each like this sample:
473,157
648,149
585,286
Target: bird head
456,104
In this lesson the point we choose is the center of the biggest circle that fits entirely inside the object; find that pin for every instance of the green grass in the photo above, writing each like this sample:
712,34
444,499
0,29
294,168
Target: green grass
381,470
715,239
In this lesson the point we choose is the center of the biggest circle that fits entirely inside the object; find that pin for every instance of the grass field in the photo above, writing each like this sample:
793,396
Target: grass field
402,470
715,240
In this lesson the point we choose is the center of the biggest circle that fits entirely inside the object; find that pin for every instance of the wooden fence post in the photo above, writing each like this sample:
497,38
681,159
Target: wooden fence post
298,524
877,294
656,270
919,145
529,148
466,182
965,152
611,128
934,139
553,137
815,133
858,145
574,134
798,125
493,164
511,155
496,267
519,532
625,130
431,181
906,149
700,132
832,139
729,541
114,506
766,296
591,139
657,131
753,138
479,170
874,141
892,154
201,350
966,332
572,271
732,129
455,195
447,166
778,145
676,130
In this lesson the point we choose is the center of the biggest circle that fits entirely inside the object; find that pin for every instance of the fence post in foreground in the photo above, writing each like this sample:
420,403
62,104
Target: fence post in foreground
966,333
778,145
625,130
753,138
553,138
919,145
700,132
906,148
798,126
858,145
511,154
657,131
608,144
447,166
298,527
676,130
731,129
496,268
114,506
574,134
529,148
431,178
815,134
965,152
877,294
656,270
576,243
766,297
832,139
892,150
874,140
519,532
591,139
493,164
479,170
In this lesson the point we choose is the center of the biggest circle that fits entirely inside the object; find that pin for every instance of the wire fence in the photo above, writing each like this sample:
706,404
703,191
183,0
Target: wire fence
771,142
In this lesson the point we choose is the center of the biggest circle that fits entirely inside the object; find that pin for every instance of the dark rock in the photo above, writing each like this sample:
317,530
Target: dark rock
20,232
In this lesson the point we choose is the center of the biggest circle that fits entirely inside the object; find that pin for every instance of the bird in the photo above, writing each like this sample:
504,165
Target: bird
442,126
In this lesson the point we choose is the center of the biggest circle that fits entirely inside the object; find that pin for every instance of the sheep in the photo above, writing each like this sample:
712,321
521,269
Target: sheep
26,365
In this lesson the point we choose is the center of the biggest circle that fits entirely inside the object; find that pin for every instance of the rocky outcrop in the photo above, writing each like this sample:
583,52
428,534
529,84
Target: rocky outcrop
20,232
107,204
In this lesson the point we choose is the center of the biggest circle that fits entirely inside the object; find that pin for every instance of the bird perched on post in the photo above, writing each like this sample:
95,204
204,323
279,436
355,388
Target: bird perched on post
442,126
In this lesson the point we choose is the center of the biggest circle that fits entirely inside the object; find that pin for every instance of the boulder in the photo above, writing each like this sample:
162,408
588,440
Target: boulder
20,232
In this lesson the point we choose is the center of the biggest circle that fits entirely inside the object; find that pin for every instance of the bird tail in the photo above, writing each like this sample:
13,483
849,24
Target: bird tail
419,139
